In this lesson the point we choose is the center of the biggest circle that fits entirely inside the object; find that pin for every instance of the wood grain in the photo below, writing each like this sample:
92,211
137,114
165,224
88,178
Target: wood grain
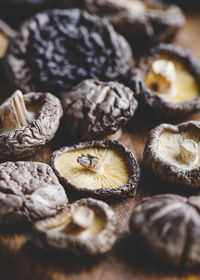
20,260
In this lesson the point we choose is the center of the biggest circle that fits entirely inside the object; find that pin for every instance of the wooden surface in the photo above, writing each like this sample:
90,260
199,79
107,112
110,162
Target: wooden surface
20,260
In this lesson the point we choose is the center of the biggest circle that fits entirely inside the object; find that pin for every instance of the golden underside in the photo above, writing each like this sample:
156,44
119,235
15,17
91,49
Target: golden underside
3,44
187,86
98,224
115,174
169,148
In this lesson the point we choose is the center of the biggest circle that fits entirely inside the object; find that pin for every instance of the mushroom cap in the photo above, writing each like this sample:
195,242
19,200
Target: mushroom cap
152,25
162,108
29,191
57,49
25,141
48,237
95,109
126,190
168,226
162,168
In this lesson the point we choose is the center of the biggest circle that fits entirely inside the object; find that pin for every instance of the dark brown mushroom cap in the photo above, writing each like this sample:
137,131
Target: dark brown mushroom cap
25,141
14,12
164,169
154,25
168,226
95,109
159,106
46,236
29,191
126,190
56,50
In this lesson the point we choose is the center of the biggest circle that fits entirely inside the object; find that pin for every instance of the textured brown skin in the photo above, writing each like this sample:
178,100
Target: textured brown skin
147,26
57,49
161,108
59,241
168,227
163,169
94,109
25,141
29,191
124,191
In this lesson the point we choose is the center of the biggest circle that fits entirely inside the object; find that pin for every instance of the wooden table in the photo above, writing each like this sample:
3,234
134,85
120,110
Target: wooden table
20,260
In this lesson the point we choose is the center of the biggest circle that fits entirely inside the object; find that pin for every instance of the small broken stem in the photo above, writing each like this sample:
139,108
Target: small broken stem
13,112
91,162
188,152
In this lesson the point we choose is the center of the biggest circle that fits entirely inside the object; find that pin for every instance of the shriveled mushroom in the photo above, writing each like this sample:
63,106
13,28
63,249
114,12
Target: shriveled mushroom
57,49
97,168
173,153
86,227
27,123
29,191
168,82
150,21
168,228
96,110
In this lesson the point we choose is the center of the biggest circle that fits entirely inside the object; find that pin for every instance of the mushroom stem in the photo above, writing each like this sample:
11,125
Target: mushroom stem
165,76
13,112
188,151
91,162
83,217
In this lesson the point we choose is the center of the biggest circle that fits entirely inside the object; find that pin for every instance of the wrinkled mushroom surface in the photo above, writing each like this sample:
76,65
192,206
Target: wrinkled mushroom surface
27,123
86,227
168,82
168,226
95,109
56,50
29,191
97,168
146,20
173,153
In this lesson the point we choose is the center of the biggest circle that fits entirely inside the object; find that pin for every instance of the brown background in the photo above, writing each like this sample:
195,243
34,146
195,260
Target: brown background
19,260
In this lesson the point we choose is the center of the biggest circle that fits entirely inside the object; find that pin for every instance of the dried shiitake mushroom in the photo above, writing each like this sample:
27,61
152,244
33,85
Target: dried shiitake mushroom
29,191
14,12
56,50
86,227
173,153
146,20
168,226
27,123
97,168
168,81
94,109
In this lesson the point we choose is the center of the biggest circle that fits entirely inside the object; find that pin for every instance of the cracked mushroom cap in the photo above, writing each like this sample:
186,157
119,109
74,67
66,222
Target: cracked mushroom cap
56,50
97,168
28,122
94,109
168,226
147,20
85,227
29,191
168,82
173,153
